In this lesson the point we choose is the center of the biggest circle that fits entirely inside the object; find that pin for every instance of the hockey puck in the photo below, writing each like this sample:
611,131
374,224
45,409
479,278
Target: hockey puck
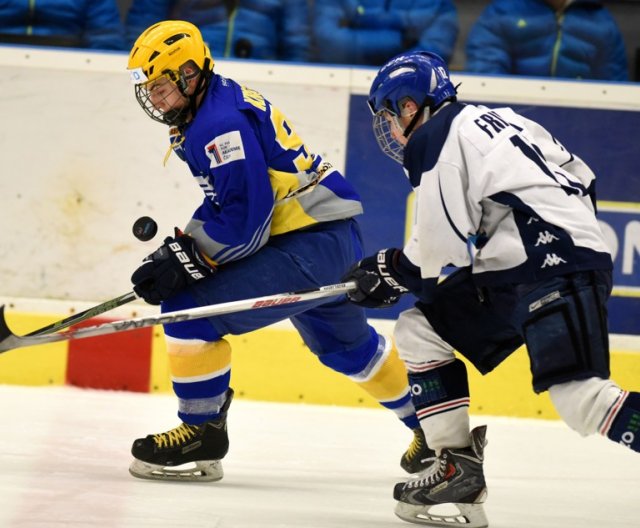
145,228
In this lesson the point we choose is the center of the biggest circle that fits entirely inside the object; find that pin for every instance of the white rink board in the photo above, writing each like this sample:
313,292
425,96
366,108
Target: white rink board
81,161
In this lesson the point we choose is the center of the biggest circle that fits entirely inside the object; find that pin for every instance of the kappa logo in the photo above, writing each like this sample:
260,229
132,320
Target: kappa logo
552,260
224,149
544,237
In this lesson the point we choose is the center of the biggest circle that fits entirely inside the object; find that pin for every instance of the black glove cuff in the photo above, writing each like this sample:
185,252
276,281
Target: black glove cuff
405,272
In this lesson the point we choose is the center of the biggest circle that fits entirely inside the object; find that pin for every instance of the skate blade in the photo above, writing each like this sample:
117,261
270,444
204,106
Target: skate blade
466,516
204,471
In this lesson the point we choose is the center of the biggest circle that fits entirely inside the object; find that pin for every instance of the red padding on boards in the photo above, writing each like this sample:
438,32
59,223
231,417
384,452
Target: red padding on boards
119,361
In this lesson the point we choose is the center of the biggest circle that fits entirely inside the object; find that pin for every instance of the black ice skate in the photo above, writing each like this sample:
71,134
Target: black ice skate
455,479
419,456
204,445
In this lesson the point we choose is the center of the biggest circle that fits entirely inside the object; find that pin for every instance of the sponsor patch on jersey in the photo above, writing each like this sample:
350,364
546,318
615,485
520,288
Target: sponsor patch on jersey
225,148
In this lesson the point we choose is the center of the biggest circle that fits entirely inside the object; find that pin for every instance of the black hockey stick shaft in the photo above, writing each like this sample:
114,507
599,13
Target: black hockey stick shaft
87,314
10,341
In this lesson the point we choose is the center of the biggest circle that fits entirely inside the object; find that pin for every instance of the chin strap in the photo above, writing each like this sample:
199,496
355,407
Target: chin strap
424,107
179,117
417,116
205,78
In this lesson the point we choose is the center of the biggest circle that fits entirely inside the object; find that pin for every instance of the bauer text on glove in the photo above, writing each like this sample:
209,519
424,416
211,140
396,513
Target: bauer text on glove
169,269
378,283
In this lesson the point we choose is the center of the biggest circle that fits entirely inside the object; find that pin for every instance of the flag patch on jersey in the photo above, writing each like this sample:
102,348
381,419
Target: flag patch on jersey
224,149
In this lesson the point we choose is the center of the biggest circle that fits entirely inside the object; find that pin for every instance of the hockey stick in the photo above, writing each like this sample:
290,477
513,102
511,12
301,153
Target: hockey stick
87,314
10,341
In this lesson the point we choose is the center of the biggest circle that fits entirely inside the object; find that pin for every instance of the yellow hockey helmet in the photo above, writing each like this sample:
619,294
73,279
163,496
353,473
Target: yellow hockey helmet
162,50
165,47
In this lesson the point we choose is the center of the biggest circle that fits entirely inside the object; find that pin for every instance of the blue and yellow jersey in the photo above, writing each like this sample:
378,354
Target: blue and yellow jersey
258,177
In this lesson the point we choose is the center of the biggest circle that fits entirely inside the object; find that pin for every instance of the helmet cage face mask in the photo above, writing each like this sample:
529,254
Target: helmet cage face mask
172,116
387,128
386,137
421,76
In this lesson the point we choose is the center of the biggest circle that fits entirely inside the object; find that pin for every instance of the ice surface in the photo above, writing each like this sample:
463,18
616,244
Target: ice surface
64,455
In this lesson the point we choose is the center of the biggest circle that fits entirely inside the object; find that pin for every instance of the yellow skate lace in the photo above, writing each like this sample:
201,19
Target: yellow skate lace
416,445
176,436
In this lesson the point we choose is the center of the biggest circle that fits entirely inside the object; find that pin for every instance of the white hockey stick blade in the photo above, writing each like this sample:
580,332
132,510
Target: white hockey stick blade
10,341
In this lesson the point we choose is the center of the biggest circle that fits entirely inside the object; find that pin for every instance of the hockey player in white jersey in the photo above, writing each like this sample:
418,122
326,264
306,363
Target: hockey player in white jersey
500,199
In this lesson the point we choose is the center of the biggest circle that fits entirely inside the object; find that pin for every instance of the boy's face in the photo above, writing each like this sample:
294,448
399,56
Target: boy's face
164,95
398,124
396,127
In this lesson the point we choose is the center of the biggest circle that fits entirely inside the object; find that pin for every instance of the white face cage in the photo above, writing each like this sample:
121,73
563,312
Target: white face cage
384,137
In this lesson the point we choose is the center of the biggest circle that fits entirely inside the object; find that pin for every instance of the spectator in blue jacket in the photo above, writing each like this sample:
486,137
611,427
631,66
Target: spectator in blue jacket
372,31
576,39
251,29
68,23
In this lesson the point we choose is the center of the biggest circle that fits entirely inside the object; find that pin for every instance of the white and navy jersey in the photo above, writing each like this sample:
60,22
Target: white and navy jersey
497,192
258,177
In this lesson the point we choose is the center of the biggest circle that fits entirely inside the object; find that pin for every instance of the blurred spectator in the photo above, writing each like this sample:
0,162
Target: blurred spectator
372,31
251,29
571,39
70,23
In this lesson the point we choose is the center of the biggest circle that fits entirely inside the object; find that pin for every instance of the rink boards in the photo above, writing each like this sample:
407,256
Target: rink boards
268,365
77,173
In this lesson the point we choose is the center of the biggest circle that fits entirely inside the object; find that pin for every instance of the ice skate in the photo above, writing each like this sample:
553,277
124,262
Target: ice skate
161,456
451,492
419,456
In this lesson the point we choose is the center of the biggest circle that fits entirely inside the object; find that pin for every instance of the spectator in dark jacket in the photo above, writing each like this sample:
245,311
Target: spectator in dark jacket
576,39
251,29
372,31
74,23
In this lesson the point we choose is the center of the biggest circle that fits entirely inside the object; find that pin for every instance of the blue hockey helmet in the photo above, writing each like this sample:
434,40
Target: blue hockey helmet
419,75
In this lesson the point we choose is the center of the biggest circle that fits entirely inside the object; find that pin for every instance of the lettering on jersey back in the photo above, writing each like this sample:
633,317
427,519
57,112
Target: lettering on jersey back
254,98
491,123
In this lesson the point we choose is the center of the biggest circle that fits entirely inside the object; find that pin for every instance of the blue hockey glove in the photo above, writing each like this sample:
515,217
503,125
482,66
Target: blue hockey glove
378,282
169,269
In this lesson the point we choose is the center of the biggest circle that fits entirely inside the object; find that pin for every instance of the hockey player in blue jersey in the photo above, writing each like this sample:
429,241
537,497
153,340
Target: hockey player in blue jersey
500,199
274,217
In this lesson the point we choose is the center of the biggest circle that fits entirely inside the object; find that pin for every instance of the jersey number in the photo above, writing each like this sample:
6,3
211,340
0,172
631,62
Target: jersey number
534,153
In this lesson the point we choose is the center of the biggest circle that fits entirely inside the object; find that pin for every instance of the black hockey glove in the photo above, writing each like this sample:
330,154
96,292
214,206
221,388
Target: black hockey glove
169,269
378,283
